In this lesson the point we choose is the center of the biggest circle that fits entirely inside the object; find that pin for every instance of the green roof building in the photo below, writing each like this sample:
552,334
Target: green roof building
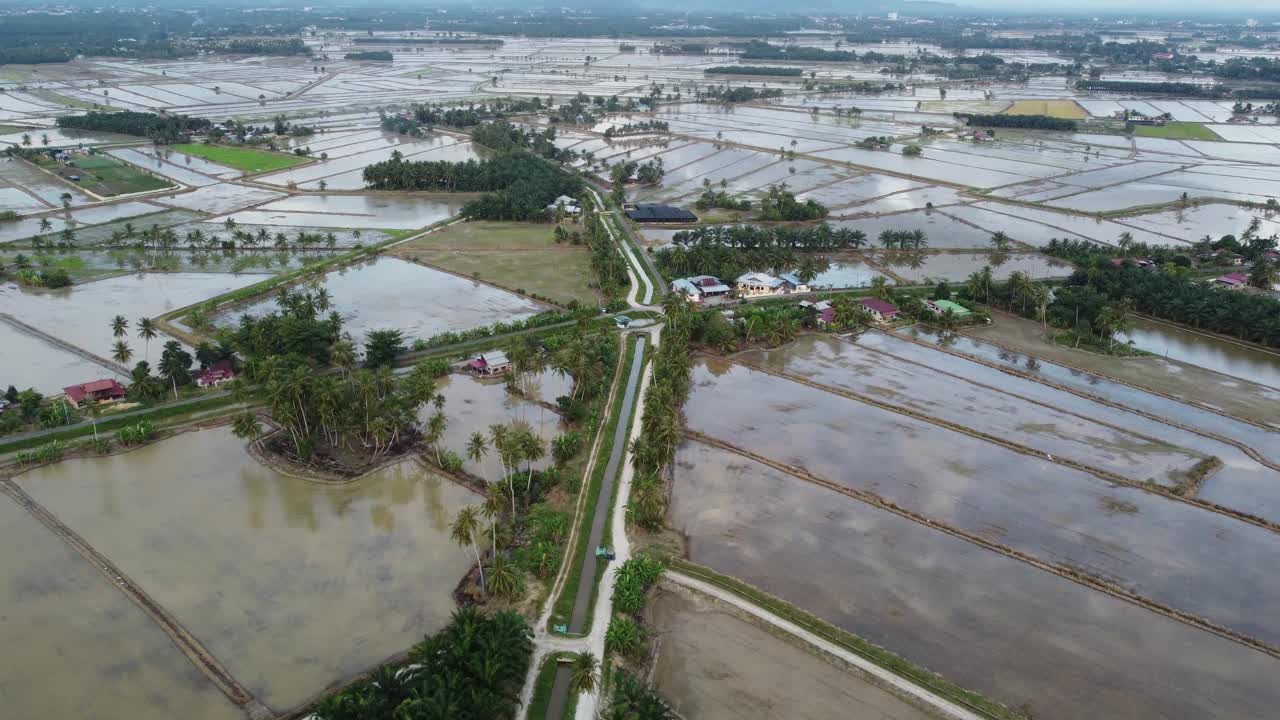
942,306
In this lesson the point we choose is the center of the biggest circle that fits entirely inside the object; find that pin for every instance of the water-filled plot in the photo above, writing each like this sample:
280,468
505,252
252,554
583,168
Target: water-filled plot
261,567
389,293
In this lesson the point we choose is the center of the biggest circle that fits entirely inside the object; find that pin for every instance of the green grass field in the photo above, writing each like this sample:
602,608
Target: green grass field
517,256
246,160
1176,131
107,177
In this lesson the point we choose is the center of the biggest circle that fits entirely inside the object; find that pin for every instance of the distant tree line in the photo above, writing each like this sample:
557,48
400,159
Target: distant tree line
375,55
637,128
1160,88
756,50
730,95
260,46
381,40
754,70
1030,122
170,127
822,237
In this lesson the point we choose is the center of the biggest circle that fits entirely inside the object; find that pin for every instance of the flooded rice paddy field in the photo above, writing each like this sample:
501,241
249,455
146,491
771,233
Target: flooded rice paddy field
916,268
261,567
63,619
1236,360
473,405
924,388
81,315
32,362
1243,483
1165,550
387,292
382,211
715,665
985,621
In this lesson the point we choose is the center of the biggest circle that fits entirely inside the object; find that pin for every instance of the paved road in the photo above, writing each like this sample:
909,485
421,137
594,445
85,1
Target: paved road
590,564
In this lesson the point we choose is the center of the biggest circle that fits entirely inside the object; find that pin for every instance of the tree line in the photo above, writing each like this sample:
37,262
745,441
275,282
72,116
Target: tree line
374,55
781,204
170,127
519,185
754,70
822,237
757,50
1029,122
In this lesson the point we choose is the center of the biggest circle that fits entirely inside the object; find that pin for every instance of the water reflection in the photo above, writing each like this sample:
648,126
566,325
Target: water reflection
261,567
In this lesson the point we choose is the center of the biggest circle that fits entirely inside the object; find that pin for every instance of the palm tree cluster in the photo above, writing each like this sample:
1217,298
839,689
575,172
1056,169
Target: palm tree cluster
470,670
778,203
363,411
822,237
1171,296
634,699
606,260
655,447
903,239
296,329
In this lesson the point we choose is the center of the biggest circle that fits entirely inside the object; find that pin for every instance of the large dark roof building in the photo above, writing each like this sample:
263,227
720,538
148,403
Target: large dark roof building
648,212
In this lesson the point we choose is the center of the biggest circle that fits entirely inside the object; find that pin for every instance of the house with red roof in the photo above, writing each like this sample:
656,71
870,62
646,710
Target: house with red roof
94,392
1232,281
881,310
216,374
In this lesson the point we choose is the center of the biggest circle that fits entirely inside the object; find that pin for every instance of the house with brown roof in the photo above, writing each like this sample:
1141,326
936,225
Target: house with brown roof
881,310
96,391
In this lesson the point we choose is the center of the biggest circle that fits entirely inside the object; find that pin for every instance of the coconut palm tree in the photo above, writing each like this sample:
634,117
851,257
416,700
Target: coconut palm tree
245,426
147,331
582,677
477,449
119,326
502,578
463,532
121,353
45,225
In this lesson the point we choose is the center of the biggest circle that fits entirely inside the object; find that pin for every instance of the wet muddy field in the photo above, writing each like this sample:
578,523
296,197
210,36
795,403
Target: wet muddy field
1018,634
261,567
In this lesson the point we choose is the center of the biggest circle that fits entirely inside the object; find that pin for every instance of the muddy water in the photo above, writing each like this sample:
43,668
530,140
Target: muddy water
28,361
1240,361
714,665
983,620
473,405
847,366
81,315
1168,551
391,293
263,568
73,646
1244,484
